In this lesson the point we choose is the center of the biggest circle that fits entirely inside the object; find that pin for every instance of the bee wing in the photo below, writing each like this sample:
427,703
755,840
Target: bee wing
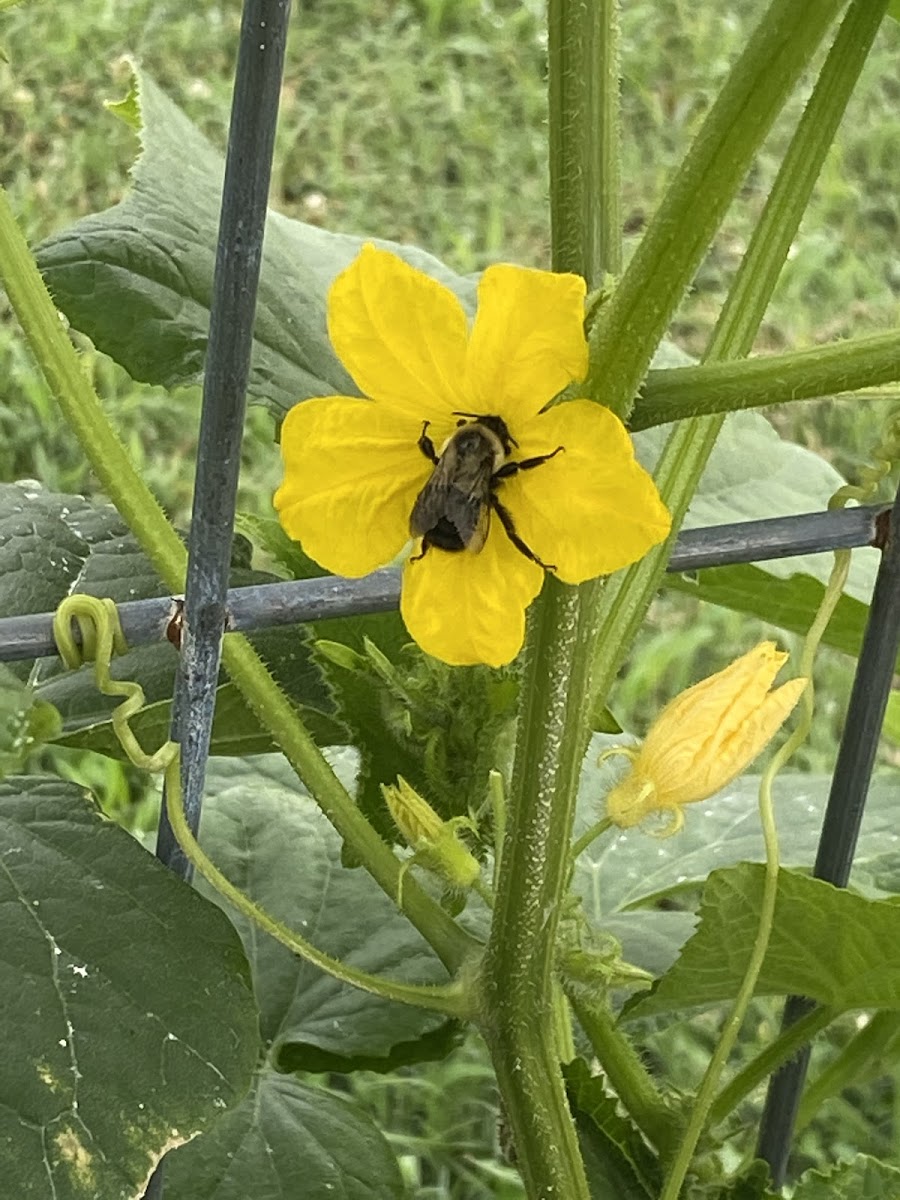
455,500
431,502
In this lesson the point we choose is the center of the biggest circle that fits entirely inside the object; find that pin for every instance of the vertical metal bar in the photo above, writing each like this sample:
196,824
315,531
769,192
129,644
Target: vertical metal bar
843,815
247,172
251,138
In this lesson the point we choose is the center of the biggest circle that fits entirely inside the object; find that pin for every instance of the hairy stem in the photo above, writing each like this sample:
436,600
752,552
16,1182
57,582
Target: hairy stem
719,387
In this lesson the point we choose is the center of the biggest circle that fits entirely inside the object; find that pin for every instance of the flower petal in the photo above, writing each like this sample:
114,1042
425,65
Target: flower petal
466,608
527,343
352,474
592,508
400,334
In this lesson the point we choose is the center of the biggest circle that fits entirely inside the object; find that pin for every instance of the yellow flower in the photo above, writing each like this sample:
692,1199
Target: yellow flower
354,468
704,738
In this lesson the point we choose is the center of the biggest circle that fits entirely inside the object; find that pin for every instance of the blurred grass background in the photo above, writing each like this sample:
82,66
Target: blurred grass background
425,121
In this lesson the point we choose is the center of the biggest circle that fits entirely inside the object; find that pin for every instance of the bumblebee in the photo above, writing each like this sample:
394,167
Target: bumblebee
453,509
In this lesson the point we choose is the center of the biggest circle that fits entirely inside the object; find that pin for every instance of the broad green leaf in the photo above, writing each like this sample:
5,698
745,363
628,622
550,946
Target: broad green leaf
894,9
137,279
827,943
45,542
617,1160
52,545
789,603
864,1178
753,474
128,1019
287,1139
272,841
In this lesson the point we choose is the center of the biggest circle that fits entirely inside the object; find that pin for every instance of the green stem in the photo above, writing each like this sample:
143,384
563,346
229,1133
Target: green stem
720,387
605,198
584,139
520,997
60,364
706,1094
590,835
630,326
101,637
628,1076
868,1046
785,1046
454,999
518,968
627,596
57,358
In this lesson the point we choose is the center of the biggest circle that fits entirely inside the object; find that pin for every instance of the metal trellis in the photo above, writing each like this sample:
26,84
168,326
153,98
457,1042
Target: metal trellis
843,815
248,166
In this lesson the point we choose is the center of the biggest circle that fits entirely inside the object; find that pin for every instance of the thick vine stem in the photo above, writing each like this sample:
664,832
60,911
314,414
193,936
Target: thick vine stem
517,980
838,370
631,325
520,997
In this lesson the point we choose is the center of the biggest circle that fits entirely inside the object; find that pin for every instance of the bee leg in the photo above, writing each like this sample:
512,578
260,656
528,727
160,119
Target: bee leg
507,522
527,464
426,445
418,557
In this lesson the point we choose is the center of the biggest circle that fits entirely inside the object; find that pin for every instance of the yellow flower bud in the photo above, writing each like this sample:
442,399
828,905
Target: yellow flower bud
413,815
436,843
704,738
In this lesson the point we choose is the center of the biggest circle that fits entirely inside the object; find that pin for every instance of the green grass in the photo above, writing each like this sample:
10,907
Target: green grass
425,121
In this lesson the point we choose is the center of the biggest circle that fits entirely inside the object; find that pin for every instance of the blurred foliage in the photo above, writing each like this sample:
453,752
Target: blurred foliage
424,120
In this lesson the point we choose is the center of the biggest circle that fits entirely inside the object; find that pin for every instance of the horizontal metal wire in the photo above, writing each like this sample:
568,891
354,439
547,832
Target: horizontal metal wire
269,604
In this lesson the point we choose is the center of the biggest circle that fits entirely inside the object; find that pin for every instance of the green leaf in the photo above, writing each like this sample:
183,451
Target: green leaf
137,279
827,943
894,9
616,1158
236,731
752,1185
286,556
24,722
128,1019
790,603
864,1178
52,545
287,1139
272,841
753,474
45,542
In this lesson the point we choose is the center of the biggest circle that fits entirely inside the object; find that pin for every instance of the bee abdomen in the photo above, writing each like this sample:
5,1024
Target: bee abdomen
444,535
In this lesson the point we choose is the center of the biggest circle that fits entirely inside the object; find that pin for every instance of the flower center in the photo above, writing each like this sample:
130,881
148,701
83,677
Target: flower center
453,510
